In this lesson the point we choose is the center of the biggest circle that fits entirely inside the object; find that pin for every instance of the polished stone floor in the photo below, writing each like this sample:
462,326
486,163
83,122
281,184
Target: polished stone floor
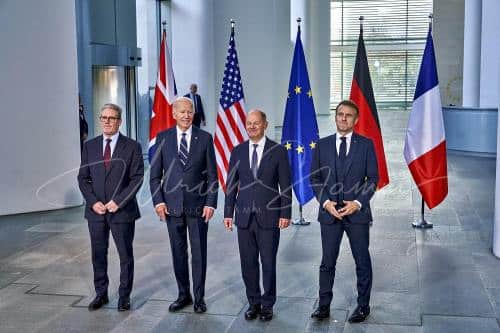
440,280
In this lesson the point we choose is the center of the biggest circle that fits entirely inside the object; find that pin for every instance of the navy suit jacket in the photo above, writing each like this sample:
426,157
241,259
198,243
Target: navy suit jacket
120,183
270,192
360,176
184,189
199,115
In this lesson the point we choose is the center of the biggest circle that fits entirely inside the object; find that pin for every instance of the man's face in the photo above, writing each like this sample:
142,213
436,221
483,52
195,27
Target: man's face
345,119
183,114
110,122
194,88
255,126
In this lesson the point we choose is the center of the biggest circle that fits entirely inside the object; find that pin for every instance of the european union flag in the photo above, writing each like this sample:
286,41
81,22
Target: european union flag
300,129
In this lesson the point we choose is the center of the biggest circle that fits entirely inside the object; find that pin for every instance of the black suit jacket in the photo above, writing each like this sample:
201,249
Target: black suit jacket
184,189
199,115
120,183
270,192
360,176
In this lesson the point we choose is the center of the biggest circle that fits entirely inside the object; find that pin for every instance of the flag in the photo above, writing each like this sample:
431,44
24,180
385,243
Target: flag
425,144
300,129
230,125
368,124
165,94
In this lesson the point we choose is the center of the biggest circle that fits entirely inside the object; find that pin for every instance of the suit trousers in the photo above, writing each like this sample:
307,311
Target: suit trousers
123,236
253,242
359,239
177,229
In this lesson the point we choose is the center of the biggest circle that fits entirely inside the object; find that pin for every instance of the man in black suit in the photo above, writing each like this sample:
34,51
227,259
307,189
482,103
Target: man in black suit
199,115
344,177
184,190
110,175
259,196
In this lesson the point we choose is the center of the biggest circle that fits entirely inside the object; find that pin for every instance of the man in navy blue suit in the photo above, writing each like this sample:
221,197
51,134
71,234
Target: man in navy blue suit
199,114
183,182
344,178
259,196
110,175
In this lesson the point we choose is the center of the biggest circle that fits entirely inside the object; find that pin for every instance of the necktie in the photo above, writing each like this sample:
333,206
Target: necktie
107,154
340,173
195,105
254,160
183,150
343,149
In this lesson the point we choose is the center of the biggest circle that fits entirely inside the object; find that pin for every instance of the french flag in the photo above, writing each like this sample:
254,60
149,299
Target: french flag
425,145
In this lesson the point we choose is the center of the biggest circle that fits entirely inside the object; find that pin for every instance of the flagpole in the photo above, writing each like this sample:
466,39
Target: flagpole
423,224
301,220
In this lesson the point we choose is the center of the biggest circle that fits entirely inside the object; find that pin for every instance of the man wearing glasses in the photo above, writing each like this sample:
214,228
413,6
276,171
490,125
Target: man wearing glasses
110,175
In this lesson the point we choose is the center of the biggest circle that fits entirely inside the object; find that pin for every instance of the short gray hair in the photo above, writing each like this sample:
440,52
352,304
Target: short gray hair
181,100
113,107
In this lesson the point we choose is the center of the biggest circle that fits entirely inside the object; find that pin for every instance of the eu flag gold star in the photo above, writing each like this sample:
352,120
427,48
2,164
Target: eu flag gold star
298,90
310,93
300,149
312,145
288,146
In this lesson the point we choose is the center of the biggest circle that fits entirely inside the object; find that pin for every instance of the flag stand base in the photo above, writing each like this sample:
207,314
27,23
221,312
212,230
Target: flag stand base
422,224
300,220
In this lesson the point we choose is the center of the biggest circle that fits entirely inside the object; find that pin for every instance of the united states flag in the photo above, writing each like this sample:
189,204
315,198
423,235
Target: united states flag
230,128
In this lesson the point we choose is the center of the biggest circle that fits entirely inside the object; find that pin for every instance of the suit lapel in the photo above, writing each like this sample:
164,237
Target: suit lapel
171,146
116,156
333,143
193,146
265,157
352,151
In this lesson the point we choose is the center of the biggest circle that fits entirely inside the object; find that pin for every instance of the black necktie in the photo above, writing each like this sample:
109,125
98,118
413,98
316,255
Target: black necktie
183,150
254,160
340,171
343,149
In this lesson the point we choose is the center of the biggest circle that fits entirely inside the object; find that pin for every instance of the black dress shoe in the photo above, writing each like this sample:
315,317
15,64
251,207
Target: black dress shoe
200,307
252,312
266,314
98,302
322,312
360,314
180,303
123,304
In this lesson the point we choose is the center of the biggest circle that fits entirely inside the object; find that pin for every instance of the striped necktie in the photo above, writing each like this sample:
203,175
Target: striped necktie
183,150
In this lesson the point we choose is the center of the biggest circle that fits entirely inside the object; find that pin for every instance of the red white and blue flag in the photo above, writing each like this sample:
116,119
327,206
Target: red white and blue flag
230,128
425,145
165,93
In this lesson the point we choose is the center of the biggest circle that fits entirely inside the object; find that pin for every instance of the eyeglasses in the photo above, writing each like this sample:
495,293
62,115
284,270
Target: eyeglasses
106,119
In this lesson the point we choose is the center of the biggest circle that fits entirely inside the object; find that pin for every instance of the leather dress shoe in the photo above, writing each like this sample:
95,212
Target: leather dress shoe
266,314
360,314
98,302
252,312
180,303
200,307
322,312
123,304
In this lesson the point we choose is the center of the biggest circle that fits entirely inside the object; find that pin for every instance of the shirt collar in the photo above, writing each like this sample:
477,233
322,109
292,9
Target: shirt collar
260,143
347,136
113,138
188,132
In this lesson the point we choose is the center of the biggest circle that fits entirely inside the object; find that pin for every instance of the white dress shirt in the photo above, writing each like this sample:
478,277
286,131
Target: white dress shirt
112,144
189,133
260,150
338,141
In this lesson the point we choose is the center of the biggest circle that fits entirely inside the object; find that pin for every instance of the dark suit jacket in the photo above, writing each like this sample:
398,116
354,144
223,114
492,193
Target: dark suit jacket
120,183
270,193
184,189
199,115
360,176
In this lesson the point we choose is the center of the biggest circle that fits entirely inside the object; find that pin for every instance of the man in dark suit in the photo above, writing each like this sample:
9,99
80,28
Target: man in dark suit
199,115
344,178
259,196
110,175
84,127
184,190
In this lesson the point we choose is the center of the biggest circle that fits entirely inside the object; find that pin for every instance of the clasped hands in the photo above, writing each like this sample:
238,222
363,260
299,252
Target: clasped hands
282,224
162,212
349,208
101,209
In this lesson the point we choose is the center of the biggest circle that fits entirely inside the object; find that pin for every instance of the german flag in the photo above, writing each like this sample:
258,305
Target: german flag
368,124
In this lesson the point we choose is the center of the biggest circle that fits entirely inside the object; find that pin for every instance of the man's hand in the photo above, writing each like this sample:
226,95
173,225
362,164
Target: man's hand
99,208
208,213
112,207
330,208
283,223
349,208
161,211
228,223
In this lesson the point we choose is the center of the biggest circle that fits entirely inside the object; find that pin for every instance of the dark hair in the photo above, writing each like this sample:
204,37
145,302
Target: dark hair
349,103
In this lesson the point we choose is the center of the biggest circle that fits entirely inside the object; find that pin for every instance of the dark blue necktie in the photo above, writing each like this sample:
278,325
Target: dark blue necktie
254,161
340,171
183,150
343,149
